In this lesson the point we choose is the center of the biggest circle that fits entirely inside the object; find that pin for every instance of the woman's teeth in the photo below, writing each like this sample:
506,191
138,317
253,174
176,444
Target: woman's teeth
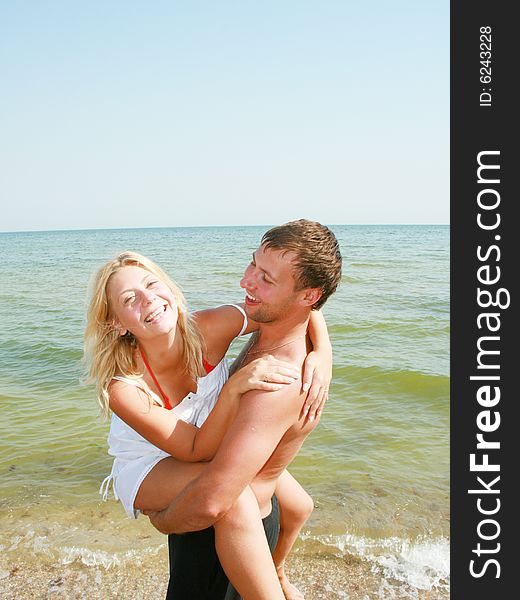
155,313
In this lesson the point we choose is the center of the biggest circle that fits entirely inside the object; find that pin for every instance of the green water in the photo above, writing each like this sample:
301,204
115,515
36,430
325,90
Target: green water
377,465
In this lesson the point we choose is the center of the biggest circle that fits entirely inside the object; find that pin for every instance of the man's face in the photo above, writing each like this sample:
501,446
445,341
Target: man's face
269,282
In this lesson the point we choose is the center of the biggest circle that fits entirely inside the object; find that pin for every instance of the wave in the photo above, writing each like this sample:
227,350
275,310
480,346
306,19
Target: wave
406,380
101,558
41,546
425,328
423,564
41,350
404,564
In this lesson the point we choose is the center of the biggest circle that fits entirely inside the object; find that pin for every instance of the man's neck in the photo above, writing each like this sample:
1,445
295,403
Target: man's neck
277,334
273,336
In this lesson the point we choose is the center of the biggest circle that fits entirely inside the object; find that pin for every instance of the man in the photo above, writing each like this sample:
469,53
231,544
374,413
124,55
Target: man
295,269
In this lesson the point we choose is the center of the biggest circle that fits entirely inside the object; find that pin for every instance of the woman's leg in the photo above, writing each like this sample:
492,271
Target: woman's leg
164,482
296,507
239,536
244,552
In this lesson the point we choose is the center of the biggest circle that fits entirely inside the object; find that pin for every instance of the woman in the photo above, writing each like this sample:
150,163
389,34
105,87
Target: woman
152,363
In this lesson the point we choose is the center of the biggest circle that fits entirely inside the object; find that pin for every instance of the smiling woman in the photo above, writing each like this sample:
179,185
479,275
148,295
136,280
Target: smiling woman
113,315
144,300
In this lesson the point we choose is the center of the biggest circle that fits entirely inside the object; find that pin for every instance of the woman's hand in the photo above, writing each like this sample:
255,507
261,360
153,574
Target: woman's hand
266,373
316,379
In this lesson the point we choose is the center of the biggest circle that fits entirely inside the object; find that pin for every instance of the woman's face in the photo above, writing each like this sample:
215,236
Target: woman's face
141,303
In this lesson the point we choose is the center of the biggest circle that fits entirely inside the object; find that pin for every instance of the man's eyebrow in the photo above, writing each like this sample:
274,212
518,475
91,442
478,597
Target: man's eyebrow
262,269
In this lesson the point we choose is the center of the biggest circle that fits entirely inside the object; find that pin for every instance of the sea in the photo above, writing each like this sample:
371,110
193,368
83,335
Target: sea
377,466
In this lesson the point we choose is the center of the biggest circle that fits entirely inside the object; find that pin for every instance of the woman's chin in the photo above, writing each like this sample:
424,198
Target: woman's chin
165,327
158,330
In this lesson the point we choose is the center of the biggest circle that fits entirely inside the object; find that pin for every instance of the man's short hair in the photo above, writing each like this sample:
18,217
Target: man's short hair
318,258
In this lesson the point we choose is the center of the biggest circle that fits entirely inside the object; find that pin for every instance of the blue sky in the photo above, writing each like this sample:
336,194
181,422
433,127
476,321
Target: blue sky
143,114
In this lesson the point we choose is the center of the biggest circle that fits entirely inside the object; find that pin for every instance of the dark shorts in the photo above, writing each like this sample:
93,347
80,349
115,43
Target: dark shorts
195,571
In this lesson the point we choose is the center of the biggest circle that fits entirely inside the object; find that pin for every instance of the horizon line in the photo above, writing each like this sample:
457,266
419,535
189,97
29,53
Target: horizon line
64,230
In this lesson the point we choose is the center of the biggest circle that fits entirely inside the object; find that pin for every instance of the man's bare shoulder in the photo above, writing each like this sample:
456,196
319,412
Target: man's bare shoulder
283,405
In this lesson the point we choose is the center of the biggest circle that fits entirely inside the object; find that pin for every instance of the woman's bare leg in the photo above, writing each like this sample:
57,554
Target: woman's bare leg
296,507
244,552
164,482
240,539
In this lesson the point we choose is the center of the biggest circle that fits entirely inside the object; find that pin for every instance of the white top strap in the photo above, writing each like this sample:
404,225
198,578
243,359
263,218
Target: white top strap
129,380
240,309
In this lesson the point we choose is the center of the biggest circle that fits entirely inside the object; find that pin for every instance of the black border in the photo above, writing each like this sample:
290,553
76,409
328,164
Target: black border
476,128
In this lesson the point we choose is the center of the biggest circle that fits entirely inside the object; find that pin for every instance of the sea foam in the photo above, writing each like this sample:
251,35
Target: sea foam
422,564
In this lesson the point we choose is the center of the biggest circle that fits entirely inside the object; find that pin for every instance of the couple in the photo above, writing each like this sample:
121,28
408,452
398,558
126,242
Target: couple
197,449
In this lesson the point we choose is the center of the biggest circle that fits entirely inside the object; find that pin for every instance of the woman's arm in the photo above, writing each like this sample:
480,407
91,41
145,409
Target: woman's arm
182,440
318,367
219,327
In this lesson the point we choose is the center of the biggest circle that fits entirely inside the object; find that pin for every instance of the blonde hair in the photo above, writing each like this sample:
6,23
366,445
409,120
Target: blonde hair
107,353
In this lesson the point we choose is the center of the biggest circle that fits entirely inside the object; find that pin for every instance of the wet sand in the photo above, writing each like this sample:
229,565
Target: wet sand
319,577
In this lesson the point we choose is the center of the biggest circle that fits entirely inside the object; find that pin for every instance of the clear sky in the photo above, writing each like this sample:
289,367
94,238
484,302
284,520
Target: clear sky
219,112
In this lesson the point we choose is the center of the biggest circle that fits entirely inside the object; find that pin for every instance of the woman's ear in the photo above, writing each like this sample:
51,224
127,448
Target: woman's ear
116,325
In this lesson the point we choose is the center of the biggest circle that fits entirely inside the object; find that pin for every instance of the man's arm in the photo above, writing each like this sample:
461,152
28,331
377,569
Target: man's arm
261,421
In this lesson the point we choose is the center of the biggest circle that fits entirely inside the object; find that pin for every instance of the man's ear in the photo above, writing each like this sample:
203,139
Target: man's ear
311,296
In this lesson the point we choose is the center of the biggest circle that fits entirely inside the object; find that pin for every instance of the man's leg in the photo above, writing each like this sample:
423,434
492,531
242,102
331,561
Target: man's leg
195,571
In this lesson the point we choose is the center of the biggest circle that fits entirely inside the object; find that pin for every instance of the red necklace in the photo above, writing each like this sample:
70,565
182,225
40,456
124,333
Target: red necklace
167,404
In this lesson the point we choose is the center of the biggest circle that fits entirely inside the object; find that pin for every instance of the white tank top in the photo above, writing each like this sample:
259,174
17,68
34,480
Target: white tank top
134,456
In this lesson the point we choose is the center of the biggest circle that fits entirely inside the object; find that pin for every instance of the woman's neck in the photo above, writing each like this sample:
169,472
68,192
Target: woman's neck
163,353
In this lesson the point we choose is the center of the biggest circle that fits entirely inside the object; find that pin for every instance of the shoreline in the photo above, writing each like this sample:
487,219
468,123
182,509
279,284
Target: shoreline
319,577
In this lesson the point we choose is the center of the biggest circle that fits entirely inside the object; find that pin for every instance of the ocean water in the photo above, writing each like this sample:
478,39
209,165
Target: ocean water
377,466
